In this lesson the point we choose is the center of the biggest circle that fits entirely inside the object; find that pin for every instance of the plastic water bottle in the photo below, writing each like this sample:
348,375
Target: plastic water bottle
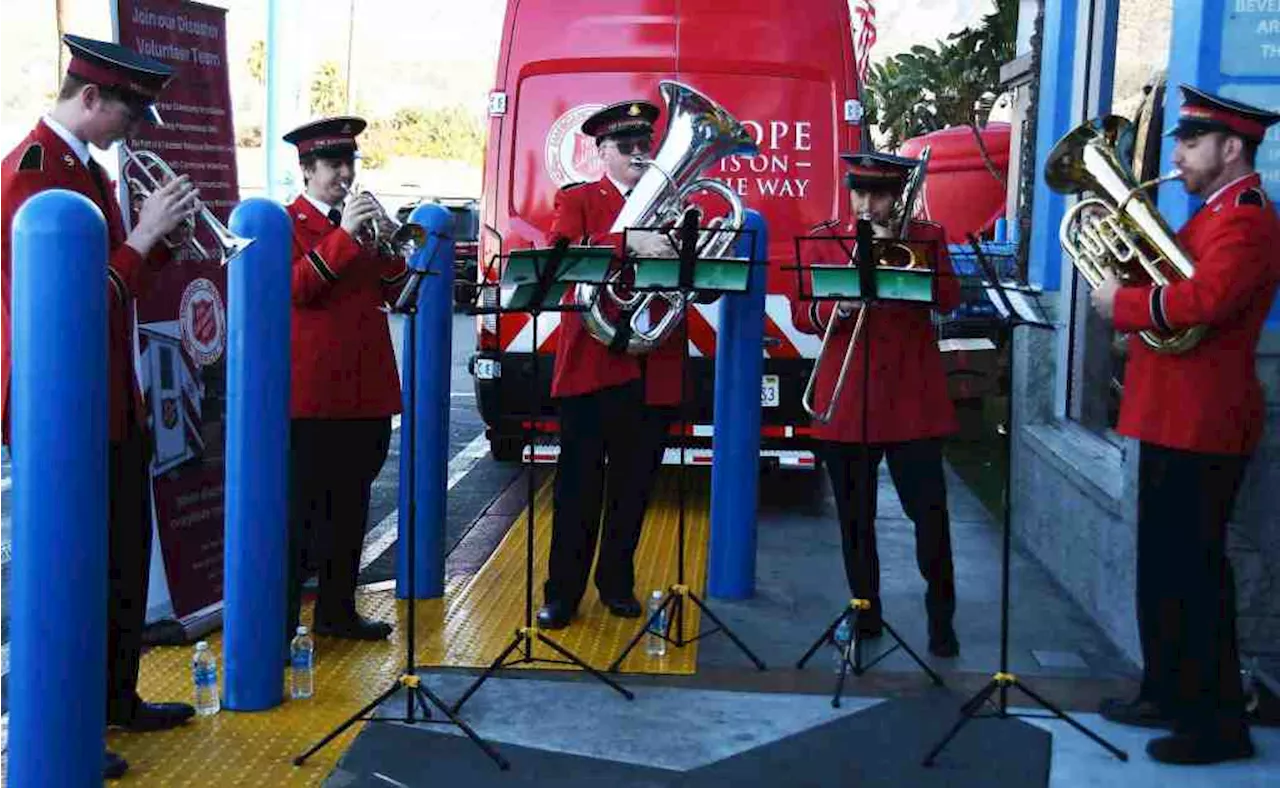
302,661
842,637
656,644
1249,681
204,672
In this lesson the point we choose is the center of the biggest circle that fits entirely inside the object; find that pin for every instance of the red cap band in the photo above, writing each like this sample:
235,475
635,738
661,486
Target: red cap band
307,146
111,78
1232,121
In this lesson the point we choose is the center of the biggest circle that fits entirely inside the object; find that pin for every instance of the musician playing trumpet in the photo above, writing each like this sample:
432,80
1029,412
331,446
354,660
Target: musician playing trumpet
908,410
107,92
1199,416
345,384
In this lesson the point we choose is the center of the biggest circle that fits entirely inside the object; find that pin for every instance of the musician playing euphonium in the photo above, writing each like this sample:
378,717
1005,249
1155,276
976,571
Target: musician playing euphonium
1199,416
107,92
345,384
908,408
608,408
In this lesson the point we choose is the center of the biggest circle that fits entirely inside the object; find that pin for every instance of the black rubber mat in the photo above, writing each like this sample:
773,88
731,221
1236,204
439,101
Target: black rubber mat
879,747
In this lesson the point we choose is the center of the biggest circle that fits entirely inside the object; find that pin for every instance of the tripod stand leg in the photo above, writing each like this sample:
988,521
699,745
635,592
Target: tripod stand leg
937,680
425,695
966,713
569,655
823,638
844,671
520,637
352,720
1106,745
715,620
668,601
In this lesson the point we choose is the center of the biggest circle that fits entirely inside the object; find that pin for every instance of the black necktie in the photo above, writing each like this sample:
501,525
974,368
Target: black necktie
100,182
335,217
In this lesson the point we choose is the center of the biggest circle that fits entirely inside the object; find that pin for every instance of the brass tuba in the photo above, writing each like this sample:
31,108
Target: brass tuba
1117,229
893,255
145,172
699,133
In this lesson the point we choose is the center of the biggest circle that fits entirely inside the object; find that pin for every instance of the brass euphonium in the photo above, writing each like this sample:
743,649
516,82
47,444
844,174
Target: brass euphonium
895,255
699,133
144,172
1117,229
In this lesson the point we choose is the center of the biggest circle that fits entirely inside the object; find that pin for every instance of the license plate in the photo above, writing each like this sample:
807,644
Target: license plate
769,391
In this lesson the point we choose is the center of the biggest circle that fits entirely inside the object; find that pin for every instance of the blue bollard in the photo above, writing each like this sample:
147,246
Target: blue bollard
1001,231
735,467
59,433
427,360
257,458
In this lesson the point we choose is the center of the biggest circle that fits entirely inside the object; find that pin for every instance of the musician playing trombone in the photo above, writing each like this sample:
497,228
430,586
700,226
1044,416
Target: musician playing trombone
908,410
345,384
108,90
608,408
1199,415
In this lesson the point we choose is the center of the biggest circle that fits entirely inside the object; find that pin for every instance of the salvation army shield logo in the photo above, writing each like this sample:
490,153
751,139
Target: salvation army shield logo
571,156
204,322
169,412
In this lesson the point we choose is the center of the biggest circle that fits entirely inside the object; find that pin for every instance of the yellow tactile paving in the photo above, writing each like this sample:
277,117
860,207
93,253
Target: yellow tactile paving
476,619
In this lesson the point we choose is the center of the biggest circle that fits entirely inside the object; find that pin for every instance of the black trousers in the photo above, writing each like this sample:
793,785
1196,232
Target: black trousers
613,423
916,469
334,463
1186,589
129,565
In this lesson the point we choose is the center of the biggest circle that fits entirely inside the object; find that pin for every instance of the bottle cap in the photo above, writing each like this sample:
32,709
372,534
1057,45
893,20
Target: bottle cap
656,595
302,630
202,646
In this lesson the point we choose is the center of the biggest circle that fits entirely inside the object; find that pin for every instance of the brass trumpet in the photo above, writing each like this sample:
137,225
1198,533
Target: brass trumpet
144,172
383,234
896,255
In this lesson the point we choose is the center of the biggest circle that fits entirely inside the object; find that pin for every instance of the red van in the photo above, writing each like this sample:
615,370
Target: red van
783,68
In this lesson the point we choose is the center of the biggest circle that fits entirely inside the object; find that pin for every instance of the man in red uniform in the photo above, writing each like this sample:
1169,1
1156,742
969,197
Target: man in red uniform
107,92
908,410
1199,416
612,404
345,384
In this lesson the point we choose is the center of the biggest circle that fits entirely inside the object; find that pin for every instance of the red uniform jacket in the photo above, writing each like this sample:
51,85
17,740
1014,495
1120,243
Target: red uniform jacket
907,386
1207,399
43,161
343,364
584,214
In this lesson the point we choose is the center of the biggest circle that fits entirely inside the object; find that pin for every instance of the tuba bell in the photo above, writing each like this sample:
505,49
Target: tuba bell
699,133
1117,229
145,172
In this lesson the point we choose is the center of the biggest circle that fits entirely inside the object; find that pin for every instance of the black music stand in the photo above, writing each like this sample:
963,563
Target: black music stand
856,277
538,279
689,276
417,694
1017,305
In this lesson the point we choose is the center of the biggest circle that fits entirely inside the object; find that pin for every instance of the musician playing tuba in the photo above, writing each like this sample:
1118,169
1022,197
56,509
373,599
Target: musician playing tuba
1199,416
607,408
908,410
107,91
345,384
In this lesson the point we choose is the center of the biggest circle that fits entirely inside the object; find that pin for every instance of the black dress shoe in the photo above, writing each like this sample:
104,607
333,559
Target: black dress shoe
1139,712
356,628
943,642
628,607
156,717
113,766
1188,748
555,615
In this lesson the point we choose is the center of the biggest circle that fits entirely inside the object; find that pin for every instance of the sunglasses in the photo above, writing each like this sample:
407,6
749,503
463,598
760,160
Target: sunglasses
628,147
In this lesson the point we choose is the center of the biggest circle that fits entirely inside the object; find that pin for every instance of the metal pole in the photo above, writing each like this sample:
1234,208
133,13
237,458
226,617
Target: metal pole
735,466
428,372
58,437
257,458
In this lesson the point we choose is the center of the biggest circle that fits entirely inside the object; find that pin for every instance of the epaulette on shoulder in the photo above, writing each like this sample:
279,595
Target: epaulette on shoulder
32,158
575,185
1252,196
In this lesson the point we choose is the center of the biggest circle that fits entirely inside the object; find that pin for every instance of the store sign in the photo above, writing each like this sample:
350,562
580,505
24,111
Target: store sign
1251,38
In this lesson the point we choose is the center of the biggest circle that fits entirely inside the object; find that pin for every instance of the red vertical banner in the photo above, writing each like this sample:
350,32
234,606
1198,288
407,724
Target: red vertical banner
182,319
